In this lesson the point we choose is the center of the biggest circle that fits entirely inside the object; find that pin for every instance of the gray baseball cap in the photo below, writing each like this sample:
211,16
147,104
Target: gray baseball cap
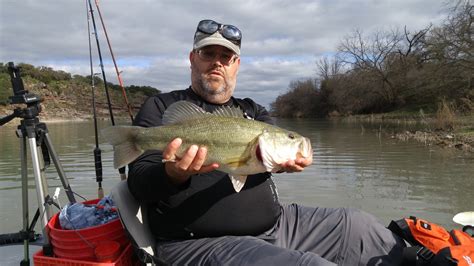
202,39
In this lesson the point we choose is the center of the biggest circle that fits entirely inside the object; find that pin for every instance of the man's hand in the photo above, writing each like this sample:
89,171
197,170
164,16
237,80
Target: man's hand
296,165
191,163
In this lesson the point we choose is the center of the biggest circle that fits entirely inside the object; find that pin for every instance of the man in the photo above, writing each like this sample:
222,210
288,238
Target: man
200,219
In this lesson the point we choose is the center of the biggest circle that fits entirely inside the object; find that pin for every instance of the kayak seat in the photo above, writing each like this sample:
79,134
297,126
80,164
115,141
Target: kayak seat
135,221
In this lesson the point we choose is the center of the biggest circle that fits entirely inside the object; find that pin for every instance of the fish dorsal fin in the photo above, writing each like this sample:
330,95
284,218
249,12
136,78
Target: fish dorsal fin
182,111
228,111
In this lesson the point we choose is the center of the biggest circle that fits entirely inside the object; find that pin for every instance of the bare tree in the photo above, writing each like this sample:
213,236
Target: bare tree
454,41
370,54
328,67
391,69
413,48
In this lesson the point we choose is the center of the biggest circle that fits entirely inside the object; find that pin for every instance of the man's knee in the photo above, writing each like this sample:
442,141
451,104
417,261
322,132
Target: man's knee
247,250
369,240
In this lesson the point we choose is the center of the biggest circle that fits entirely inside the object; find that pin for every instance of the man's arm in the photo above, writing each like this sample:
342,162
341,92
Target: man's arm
147,178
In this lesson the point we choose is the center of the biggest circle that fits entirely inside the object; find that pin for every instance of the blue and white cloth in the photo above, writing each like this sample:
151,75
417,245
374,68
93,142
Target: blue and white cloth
79,215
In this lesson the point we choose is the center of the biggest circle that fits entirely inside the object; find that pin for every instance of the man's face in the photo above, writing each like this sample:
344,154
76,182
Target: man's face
213,75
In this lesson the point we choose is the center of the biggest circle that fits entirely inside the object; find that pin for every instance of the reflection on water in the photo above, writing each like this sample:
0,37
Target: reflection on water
74,142
356,167
353,167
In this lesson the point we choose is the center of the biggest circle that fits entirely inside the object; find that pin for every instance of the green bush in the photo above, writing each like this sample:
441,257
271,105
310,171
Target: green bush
5,88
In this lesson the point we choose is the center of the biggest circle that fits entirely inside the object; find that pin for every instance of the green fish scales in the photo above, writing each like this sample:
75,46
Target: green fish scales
240,146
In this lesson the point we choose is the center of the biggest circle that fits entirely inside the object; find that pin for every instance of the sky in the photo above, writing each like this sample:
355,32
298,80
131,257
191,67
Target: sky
151,39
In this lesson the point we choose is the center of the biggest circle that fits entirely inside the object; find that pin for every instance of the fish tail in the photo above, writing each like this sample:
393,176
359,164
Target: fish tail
124,141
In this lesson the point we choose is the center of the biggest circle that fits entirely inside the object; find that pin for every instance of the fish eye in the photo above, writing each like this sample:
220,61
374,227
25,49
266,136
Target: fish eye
291,136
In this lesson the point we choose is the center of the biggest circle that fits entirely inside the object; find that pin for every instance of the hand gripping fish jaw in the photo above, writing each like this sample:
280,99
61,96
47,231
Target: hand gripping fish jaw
277,148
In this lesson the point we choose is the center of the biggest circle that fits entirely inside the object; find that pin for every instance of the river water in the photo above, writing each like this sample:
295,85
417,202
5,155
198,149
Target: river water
354,166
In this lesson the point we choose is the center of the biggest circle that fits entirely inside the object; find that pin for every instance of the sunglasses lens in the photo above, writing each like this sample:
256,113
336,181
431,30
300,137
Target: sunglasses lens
208,26
231,33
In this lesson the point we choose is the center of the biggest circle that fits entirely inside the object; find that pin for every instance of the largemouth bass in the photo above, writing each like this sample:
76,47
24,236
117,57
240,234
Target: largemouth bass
240,146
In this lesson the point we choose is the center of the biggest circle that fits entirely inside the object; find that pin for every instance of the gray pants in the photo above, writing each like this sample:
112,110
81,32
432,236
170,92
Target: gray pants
302,236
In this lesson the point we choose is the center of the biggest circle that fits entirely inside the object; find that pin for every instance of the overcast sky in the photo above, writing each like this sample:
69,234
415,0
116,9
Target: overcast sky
282,39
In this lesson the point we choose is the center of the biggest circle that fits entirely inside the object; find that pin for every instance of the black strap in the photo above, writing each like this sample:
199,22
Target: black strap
409,256
469,229
424,256
401,229
248,106
444,258
416,254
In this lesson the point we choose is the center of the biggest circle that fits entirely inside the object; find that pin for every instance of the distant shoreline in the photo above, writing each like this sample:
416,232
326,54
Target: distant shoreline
63,116
444,139
460,137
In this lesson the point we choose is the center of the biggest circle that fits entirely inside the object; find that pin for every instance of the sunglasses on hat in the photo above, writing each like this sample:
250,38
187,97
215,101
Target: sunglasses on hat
230,32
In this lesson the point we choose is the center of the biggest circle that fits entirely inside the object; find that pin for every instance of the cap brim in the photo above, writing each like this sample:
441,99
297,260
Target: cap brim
216,39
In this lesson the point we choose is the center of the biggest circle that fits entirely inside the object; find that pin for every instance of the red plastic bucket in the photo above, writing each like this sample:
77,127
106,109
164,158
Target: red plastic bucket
80,244
107,251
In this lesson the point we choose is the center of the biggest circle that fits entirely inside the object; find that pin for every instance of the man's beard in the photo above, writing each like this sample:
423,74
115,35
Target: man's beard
225,89
207,87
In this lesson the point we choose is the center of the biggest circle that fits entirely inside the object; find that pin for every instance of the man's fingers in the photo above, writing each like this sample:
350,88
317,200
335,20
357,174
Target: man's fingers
199,159
208,168
188,158
297,165
170,151
304,162
191,162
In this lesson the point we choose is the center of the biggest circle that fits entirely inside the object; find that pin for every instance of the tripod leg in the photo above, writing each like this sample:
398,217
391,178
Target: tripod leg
41,188
59,168
24,194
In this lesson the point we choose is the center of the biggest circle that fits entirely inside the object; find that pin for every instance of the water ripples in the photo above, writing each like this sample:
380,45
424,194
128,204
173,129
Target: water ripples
351,168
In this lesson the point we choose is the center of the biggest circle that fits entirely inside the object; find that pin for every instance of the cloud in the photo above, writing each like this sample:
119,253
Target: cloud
152,39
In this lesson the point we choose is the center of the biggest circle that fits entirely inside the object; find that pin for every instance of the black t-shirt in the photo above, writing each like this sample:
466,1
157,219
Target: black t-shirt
207,204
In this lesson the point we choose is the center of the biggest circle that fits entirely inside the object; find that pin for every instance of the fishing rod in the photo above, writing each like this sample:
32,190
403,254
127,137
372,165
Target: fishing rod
109,103
121,170
97,150
124,93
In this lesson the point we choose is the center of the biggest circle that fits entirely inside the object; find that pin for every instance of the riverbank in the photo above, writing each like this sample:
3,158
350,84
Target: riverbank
425,128
404,127
443,139
73,117
60,115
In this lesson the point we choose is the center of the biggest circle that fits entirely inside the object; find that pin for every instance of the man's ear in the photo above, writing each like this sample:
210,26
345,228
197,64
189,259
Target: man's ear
191,58
238,66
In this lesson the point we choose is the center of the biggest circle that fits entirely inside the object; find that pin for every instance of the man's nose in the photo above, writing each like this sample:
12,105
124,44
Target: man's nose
217,60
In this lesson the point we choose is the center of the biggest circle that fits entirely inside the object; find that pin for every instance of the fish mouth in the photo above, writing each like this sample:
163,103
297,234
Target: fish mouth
258,154
306,149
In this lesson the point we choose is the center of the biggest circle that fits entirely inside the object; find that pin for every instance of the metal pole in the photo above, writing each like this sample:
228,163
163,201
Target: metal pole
24,194
59,168
40,192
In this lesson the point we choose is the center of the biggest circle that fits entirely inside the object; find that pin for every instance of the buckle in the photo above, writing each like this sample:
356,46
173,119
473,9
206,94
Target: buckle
425,254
